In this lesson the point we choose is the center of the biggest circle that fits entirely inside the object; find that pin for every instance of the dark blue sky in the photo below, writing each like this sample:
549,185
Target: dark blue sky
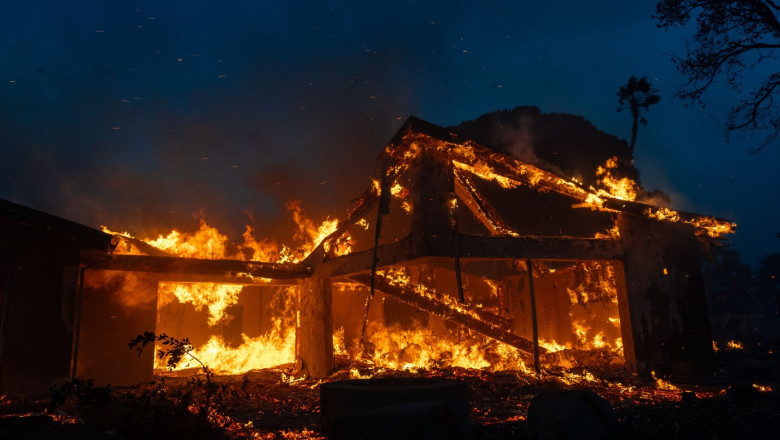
145,115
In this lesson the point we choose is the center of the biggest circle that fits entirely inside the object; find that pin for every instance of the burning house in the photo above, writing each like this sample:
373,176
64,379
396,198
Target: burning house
456,256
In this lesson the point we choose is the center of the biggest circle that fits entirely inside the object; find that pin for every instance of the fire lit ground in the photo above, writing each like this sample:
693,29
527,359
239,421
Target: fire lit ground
457,261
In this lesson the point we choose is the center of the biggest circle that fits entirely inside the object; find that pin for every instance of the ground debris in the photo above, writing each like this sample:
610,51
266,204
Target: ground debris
273,404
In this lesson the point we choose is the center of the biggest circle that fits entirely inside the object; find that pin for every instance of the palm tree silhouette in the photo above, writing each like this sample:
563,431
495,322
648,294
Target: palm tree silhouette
637,95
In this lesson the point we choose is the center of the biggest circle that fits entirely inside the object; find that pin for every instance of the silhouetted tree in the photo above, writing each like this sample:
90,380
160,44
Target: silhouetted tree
770,268
732,36
637,95
730,262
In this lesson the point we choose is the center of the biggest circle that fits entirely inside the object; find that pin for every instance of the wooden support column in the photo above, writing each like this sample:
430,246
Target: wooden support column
456,237
435,223
314,336
431,186
534,324
624,313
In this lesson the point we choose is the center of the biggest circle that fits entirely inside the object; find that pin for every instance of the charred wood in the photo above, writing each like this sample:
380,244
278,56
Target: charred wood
230,269
12,214
545,248
361,261
482,209
407,295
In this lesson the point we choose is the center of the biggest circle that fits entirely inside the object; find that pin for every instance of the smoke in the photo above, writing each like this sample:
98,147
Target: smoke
132,291
517,140
142,120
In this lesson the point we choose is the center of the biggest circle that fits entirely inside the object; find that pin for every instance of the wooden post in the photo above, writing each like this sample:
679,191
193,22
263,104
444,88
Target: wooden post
315,323
624,312
456,235
534,324
431,185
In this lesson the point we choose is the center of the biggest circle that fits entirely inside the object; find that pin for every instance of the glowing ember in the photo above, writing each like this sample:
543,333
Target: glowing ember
662,213
662,384
735,345
710,226
613,233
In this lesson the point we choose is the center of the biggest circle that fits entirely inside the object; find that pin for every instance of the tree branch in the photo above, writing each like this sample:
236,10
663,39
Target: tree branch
763,10
732,37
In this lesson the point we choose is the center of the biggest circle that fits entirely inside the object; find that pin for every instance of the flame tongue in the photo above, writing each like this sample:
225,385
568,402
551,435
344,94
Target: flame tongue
274,348
620,188
214,297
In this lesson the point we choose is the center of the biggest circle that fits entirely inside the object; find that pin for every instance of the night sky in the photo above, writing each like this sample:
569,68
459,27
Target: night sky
147,115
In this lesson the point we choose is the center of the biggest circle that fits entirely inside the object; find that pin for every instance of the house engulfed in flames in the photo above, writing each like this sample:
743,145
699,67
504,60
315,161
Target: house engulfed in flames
455,256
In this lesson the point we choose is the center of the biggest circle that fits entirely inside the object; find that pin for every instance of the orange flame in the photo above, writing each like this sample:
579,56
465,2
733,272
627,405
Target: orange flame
662,384
619,188
419,349
735,345
711,226
275,347
269,350
215,297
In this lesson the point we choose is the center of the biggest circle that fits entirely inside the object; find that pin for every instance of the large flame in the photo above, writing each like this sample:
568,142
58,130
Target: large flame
621,188
420,349
216,298
274,348
206,242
